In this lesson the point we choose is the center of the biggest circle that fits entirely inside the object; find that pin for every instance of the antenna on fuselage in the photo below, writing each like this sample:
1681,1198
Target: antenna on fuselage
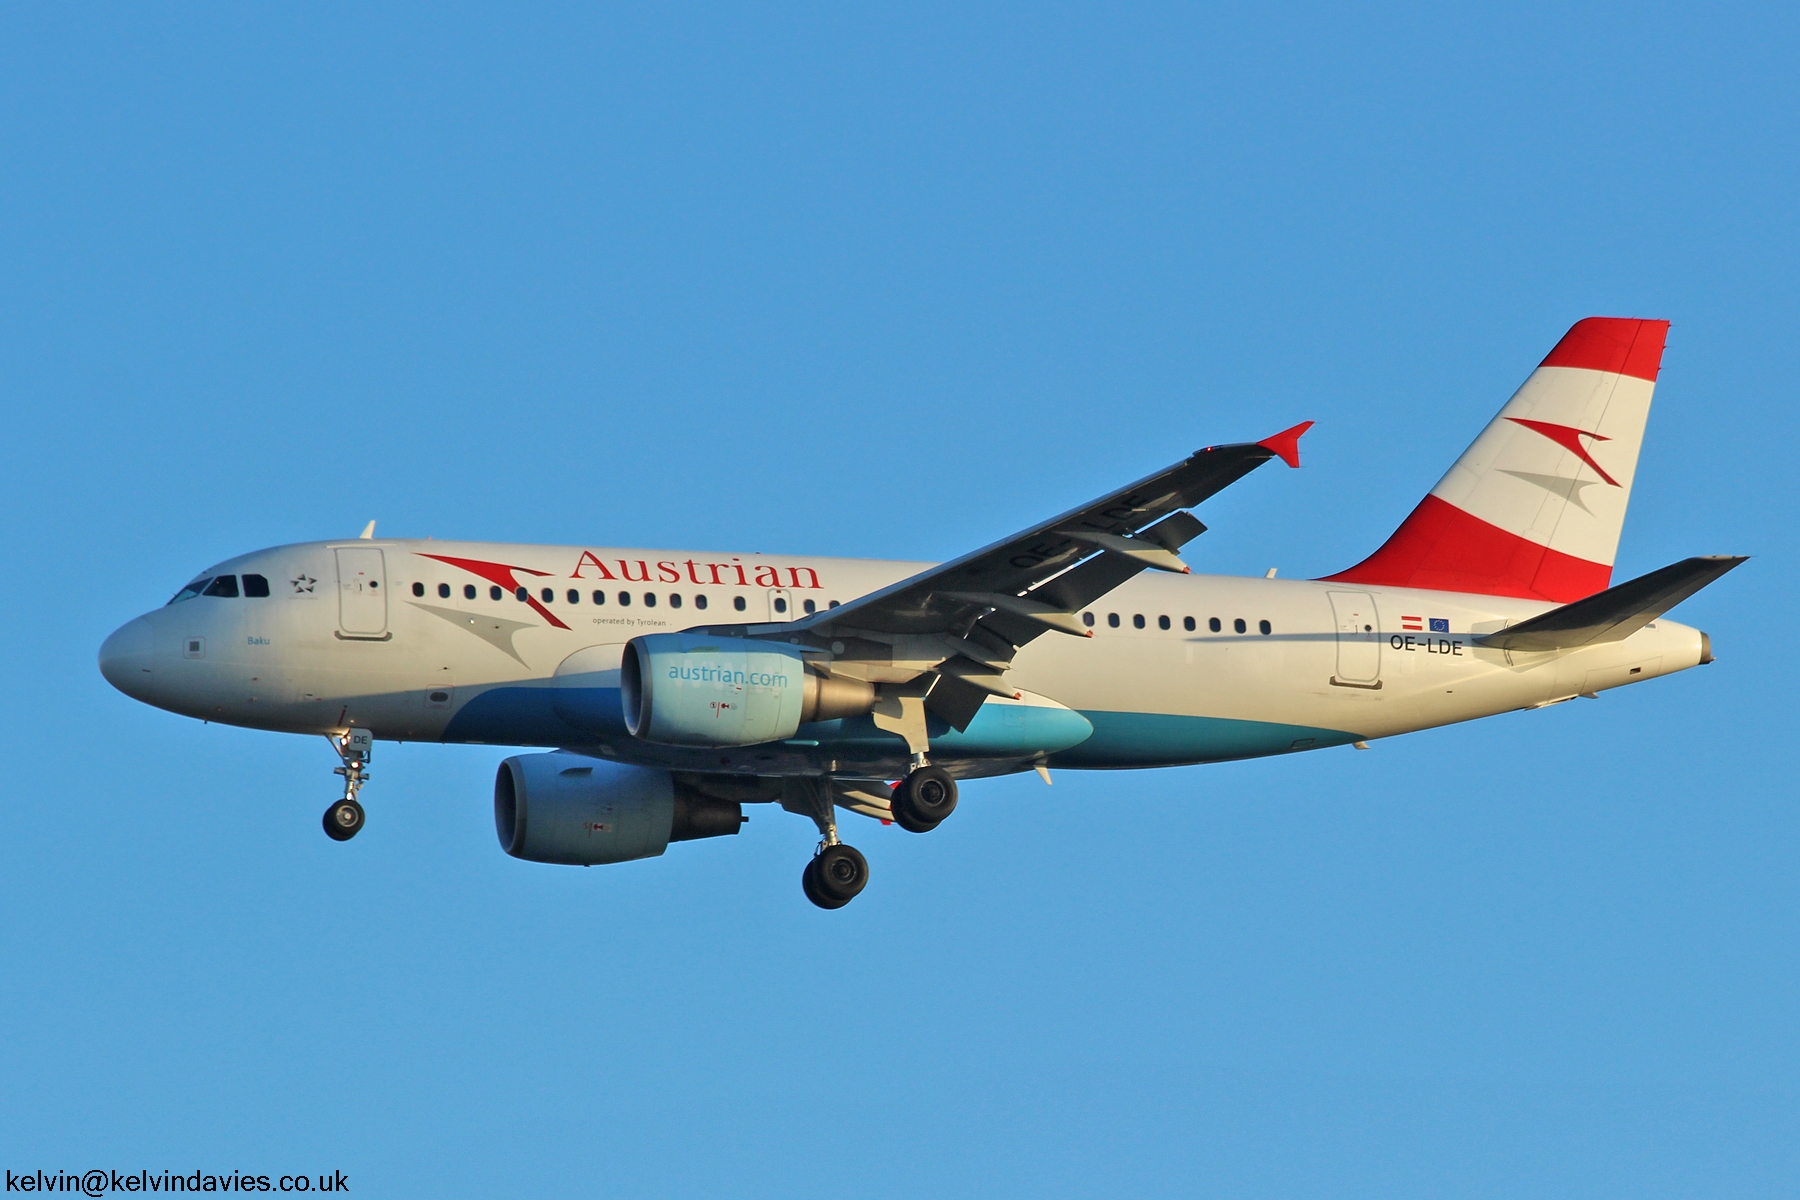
367,533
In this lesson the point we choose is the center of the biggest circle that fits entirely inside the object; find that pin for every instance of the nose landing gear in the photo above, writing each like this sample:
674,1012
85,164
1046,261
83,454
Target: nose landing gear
344,819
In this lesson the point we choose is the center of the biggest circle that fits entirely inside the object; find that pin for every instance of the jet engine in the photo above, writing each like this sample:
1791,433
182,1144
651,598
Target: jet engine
685,689
566,808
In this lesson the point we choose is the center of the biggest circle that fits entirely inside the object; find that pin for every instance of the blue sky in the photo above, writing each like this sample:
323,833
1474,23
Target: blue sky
891,281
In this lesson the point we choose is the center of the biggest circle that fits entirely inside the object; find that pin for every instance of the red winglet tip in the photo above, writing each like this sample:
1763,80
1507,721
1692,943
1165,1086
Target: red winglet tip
1286,444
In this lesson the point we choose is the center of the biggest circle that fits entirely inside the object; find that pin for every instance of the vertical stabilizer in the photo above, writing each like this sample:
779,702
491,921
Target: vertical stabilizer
1535,506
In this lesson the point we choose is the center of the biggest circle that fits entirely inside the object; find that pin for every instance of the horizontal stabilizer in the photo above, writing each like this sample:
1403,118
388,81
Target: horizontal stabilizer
1616,613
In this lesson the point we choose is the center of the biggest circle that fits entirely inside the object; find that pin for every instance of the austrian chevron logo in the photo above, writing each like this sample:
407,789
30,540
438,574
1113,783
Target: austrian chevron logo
1569,438
502,575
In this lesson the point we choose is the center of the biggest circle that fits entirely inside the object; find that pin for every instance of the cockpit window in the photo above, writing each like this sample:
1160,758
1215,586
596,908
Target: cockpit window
256,585
191,590
224,585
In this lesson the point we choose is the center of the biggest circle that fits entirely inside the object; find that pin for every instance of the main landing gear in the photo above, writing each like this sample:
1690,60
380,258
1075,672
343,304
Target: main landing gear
835,876
923,799
837,873
344,819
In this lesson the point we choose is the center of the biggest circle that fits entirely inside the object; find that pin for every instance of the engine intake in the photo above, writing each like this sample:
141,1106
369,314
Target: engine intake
565,808
685,689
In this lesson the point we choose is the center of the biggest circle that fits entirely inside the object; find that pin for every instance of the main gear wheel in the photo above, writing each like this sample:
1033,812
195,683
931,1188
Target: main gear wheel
923,799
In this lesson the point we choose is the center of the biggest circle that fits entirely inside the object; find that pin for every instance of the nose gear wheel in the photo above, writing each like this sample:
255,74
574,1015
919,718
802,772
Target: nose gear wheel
343,820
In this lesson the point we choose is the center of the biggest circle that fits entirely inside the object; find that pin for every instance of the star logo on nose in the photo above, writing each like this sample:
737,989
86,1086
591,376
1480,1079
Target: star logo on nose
303,584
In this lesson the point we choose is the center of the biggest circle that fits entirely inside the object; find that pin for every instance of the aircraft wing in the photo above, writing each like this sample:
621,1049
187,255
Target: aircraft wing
962,621
1111,538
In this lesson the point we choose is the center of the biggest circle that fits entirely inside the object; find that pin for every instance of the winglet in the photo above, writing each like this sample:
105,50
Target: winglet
1286,444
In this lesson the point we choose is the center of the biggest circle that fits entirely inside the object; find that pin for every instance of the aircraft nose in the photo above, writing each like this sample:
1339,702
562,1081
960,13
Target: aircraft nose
125,658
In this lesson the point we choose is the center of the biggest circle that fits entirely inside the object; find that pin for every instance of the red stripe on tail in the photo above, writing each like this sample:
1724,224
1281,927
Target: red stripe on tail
1621,345
1441,548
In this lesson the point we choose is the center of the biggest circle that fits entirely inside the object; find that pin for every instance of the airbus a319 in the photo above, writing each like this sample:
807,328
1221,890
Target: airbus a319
671,688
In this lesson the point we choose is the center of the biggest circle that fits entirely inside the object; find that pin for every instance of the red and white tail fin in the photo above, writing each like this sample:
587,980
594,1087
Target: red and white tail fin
1535,506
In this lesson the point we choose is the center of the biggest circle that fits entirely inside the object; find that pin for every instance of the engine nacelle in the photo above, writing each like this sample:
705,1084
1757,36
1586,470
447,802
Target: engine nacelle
566,808
686,689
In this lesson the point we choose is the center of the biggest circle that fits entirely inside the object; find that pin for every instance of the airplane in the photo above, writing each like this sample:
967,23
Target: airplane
670,688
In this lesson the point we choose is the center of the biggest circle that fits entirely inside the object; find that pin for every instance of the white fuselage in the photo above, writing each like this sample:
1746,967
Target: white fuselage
430,641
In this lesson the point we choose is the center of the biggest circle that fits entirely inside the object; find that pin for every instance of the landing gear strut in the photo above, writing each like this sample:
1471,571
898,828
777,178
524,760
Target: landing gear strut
837,873
344,819
923,799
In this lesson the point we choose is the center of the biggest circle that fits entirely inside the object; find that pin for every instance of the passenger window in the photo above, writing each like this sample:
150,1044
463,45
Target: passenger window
521,595
1213,625
1240,626
599,596
494,592
737,602
574,596
700,601
1137,620
1162,622
418,589
224,585
809,606
833,604
191,590
674,599
1112,619
1187,623
443,591
548,594
468,591
780,605
1087,618
625,599
649,599
256,585
1265,627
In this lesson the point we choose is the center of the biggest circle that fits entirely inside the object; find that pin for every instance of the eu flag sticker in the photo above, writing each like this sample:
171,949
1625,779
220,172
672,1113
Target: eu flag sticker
1438,626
